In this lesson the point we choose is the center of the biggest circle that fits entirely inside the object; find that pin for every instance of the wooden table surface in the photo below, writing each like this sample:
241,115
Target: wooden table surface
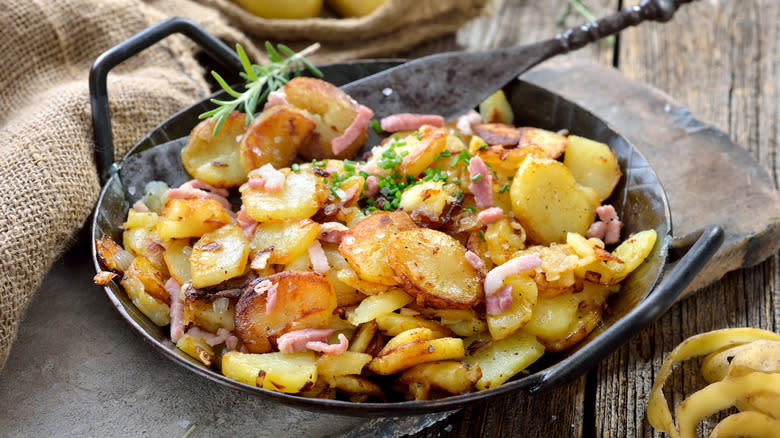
720,59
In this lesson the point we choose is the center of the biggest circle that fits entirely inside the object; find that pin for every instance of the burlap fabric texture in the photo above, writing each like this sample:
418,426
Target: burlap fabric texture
48,181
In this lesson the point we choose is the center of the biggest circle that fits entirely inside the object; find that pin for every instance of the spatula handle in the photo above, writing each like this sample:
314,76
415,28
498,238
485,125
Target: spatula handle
649,10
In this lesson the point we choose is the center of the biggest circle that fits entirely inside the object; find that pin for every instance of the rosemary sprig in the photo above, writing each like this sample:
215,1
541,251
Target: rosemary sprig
260,81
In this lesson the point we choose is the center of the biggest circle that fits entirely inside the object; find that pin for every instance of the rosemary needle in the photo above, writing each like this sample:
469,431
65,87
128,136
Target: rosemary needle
260,81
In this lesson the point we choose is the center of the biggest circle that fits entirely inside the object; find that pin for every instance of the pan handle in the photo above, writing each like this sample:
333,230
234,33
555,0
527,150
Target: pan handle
98,90
698,248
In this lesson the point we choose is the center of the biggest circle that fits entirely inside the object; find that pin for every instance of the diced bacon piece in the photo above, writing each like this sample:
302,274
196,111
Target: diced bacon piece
324,347
318,259
202,185
266,178
177,309
481,183
494,280
140,207
295,341
247,224
372,186
353,131
269,288
490,215
409,122
231,341
607,228
188,191
474,260
332,232
210,338
499,302
278,97
466,121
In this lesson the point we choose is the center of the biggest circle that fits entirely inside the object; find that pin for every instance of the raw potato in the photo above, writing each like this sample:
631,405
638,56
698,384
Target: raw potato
432,267
182,218
365,245
332,111
303,300
282,9
301,197
285,241
280,372
354,8
275,137
592,164
453,377
501,360
413,347
214,159
548,202
218,256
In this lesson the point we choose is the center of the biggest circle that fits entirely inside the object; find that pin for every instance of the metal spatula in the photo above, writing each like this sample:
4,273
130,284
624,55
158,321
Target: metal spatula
449,84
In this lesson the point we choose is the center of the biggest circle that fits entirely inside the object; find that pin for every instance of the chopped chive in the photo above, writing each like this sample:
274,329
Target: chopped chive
483,146
459,193
476,177
296,167
470,208
504,188
376,127
482,236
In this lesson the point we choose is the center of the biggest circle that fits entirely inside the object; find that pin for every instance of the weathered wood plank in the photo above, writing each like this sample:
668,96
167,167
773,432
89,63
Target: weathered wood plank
720,59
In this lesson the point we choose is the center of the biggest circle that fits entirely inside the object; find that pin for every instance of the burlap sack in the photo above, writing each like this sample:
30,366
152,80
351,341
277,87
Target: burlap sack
48,181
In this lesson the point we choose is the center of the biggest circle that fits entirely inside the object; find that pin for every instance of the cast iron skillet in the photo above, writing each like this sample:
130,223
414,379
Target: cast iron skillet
639,199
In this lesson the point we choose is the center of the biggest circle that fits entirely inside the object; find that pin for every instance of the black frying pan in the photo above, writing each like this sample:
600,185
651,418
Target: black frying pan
639,199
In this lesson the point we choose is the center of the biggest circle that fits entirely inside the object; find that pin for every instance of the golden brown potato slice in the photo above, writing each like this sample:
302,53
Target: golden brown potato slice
111,255
196,348
286,241
505,161
331,109
376,305
177,259
274,137
504,238
393,323
552,143
496,109
145,242
432,267
453,377
218,256
593,164
348,362
422,149
303,300
280,372
191,218
548,202
157,311
303,194
137,219
363,337
208,311
501,360
151,277
358,388
365,245
413,347
498,134
347,295
524,296
214,158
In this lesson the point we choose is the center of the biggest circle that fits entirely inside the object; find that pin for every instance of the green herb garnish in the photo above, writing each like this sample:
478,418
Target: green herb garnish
376,127
260,81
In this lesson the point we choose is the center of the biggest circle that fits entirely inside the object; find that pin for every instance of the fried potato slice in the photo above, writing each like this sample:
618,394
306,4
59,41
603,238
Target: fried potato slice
196,348
146,242
365,245
177,259
592,164
552,143
275,137
346,294
453,377
209,312
432,267
413,347
359,388
422,149
524,296
286,241
504,238
151,277
348,362
157,311
331,109
376,305
303,300
501,360
218,256
498,134
111,255
182,218
496,109
393,323
282,372
303,194
214,159
548,202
